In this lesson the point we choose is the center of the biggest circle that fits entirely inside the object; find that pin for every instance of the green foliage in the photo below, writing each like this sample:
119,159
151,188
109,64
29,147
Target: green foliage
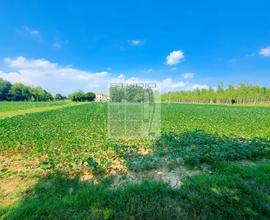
134,93
197,148
39,94
59,97
231,121
89,96
20,92
80,96
5,86
242,93
80,132
76,96
131,93
117,94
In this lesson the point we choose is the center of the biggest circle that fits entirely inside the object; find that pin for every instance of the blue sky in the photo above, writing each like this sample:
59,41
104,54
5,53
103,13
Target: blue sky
180,44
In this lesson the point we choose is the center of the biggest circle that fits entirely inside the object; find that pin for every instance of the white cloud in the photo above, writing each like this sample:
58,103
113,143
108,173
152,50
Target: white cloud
32,32
188,75
35,32
56,78
136,42
169,84
265,51
175,57
59,43
173,69
23,63
147,70
56,45
52,76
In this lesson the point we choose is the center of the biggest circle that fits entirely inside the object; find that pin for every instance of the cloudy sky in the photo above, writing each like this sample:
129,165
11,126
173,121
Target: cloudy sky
69,45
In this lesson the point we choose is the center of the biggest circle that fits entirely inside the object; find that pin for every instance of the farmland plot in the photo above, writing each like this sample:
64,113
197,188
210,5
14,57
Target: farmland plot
206,158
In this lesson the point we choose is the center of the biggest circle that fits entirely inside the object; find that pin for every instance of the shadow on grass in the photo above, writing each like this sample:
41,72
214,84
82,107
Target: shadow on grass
235,192
231,191
195,149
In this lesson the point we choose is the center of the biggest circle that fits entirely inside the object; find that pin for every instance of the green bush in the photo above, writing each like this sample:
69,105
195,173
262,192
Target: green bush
5,86
80,96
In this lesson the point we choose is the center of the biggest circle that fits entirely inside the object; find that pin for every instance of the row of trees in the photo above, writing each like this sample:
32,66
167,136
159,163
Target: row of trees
21,92
131,93
241,94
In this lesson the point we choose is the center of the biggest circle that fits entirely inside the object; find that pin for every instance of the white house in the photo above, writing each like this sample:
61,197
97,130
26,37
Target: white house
100,97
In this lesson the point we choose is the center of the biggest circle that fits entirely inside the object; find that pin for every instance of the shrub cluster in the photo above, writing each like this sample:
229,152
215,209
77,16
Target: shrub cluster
80,96
59,97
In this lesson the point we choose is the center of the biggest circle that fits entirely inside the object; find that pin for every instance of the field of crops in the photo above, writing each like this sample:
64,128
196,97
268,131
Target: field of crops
210,160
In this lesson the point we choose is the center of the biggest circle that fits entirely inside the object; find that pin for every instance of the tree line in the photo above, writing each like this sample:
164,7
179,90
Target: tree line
21,92
242,93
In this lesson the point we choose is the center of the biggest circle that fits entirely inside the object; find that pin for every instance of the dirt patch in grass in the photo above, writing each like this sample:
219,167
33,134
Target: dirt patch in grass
173,177
144,151
19,165
17,174
12,188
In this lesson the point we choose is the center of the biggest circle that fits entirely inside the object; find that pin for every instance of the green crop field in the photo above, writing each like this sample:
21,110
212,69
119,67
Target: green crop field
210,161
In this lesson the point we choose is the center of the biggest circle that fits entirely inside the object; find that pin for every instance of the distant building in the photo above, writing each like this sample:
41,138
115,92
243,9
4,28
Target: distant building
100,97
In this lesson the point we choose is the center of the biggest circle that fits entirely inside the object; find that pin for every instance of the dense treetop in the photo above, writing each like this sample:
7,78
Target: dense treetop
80,96
131,93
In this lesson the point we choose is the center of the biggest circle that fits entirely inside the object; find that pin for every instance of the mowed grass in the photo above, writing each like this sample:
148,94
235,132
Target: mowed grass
209,162
10,109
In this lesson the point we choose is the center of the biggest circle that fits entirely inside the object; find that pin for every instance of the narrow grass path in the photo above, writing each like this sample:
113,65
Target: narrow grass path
13,113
